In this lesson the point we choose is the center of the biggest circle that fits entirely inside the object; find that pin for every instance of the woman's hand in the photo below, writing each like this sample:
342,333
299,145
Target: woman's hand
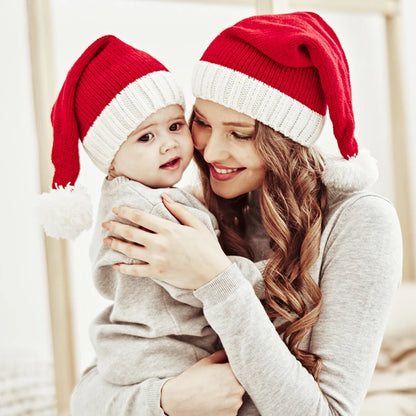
208,388
186,255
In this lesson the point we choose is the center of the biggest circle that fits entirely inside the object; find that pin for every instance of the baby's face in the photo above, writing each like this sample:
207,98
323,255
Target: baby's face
158,151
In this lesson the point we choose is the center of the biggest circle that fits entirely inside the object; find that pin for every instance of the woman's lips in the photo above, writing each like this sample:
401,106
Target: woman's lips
222,173
172,164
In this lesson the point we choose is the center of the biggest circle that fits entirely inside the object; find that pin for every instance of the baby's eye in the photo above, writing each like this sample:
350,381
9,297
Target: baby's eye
175,126
145,138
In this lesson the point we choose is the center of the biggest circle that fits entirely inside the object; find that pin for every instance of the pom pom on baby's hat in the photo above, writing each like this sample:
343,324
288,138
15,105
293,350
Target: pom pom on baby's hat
99,109
65,212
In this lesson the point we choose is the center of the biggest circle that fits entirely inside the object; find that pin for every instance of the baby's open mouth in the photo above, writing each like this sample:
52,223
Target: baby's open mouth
171,164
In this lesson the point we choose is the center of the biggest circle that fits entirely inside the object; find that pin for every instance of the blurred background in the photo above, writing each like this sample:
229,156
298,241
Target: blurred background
175,32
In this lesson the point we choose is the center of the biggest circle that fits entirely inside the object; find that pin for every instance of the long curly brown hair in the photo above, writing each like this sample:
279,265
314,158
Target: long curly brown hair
293,201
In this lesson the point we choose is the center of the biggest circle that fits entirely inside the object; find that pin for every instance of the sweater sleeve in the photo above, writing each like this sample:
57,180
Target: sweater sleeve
359,274
94,396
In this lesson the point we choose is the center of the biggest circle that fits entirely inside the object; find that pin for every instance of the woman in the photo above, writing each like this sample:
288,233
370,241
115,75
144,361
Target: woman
333,249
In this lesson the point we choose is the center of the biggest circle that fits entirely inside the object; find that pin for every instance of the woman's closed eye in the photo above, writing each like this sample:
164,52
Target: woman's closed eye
241,136
200,122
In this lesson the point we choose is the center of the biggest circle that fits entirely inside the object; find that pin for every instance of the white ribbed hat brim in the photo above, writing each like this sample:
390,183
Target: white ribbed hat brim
258,100
126,111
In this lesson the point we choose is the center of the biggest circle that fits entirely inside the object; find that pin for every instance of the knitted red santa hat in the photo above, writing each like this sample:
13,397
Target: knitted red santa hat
284,70
108,92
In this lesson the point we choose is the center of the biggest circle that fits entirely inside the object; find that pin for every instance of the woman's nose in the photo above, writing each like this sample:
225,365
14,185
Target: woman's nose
215,149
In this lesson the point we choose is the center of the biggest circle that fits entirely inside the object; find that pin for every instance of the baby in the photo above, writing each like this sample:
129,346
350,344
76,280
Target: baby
126,109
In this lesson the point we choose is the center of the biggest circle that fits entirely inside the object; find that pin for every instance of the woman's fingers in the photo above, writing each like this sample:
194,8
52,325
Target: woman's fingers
157,224
168,248
142,219
136,270
181,213
134,234
208,386
130,250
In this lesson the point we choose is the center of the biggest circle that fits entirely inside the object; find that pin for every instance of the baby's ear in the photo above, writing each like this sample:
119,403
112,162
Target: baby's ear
111,172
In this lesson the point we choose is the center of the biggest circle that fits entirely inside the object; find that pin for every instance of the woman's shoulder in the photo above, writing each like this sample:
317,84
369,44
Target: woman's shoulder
362,234
359,207
360,220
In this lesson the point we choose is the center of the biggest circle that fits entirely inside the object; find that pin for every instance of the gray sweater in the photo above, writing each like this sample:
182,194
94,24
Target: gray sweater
358,271
152,329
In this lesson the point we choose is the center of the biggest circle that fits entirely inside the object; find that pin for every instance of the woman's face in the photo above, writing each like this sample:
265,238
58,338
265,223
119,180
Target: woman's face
224,138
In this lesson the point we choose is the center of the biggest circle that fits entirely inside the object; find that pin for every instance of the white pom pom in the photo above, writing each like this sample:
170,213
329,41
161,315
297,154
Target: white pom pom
357,173
65,212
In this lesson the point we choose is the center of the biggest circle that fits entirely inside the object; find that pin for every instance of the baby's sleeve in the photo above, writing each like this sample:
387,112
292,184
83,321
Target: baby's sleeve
94,396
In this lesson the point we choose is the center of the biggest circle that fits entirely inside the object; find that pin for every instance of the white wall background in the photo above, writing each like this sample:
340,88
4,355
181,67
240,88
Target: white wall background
176,33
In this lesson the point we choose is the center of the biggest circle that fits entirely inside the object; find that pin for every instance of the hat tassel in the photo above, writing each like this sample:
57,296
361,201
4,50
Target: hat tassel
65,212
353,174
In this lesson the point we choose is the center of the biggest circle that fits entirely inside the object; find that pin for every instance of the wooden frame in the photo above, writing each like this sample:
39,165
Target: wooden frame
384,7
56,256
40,39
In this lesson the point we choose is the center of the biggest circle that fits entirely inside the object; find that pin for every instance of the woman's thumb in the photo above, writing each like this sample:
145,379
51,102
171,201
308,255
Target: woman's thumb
180,212
217,357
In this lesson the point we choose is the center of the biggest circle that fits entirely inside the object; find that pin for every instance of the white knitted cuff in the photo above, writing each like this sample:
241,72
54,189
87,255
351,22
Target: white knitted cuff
258,100
126,111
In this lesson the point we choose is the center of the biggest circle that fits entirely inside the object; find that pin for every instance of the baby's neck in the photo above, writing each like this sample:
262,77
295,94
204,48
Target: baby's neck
111,177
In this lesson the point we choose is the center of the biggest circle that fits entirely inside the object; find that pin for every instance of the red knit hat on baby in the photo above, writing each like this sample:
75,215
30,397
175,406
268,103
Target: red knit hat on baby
108,92
284,71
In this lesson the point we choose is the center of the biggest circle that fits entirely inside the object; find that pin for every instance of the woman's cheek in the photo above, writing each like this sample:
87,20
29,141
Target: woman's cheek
199,137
